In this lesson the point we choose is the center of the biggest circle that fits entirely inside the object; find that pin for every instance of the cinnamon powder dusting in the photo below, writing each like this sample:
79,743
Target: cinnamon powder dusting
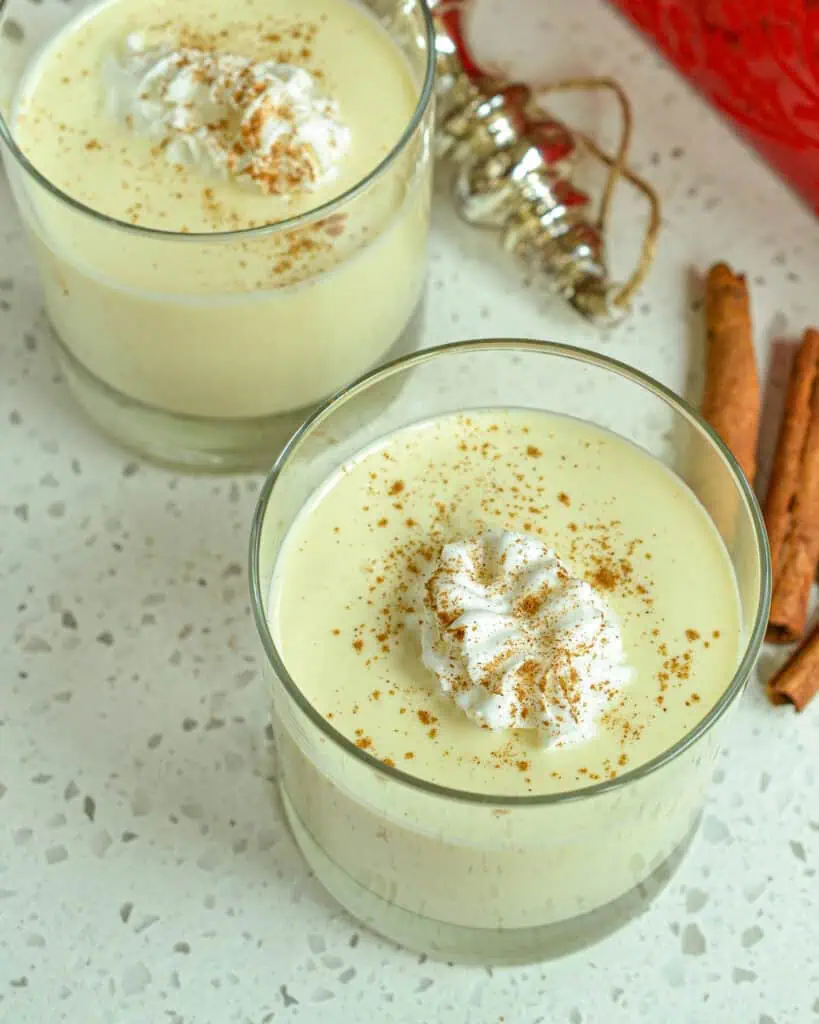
614,563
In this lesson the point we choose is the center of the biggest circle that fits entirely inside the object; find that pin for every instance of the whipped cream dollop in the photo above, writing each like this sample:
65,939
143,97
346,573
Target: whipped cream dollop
517,641
261,123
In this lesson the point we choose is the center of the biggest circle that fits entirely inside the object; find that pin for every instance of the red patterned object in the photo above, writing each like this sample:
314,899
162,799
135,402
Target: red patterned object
758,63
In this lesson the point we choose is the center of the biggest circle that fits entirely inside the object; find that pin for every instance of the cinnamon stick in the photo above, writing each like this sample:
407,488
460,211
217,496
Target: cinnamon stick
731,403
792,505
798,680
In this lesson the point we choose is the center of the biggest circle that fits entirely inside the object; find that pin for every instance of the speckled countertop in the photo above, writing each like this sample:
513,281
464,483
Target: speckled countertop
145,871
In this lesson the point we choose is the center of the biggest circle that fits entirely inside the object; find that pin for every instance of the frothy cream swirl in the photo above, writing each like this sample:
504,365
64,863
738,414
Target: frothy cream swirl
261,123
517,641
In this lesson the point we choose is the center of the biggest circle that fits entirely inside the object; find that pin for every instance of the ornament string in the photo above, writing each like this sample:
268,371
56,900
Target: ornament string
618,169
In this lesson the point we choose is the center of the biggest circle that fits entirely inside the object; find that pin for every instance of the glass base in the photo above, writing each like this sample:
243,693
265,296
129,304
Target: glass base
486,946
193,443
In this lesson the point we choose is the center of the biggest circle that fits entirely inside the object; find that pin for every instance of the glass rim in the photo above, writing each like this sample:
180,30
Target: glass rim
741,674
326,208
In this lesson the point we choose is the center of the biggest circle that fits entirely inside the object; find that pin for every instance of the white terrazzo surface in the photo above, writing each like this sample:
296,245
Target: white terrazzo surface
145,871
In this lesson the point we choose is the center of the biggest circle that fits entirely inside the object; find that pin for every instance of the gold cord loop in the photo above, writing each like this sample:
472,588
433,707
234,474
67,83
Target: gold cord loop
618,168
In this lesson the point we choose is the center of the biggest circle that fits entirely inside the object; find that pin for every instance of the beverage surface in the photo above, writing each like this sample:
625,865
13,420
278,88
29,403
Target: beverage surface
200,116
451,581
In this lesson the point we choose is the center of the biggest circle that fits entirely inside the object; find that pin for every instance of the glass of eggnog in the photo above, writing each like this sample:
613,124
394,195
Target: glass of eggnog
507,615
228,204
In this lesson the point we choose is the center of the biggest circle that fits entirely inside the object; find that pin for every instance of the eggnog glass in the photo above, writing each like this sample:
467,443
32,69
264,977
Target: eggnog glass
206,348
474,876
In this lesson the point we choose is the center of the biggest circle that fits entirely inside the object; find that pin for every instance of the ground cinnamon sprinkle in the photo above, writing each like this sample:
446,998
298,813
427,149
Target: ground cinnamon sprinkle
604,578
599,548
529,605
679,666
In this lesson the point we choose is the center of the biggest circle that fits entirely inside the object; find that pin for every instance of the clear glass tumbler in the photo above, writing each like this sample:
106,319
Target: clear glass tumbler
470,876
167,340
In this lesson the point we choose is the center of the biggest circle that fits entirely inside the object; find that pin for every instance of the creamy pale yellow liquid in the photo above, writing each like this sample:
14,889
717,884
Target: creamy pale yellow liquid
348,571
63,124
231,327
